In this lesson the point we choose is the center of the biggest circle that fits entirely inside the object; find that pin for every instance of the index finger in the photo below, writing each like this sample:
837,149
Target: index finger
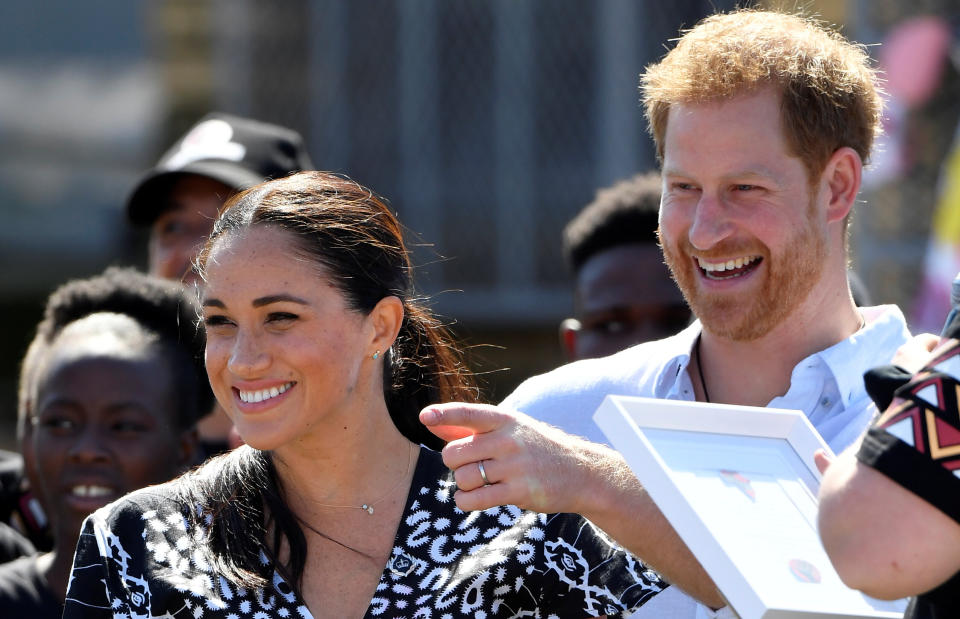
455,420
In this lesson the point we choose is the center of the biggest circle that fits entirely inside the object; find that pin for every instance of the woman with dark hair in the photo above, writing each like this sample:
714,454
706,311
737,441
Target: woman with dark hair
338,505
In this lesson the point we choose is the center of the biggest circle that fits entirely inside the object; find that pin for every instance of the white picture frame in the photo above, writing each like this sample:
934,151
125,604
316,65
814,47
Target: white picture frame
739,485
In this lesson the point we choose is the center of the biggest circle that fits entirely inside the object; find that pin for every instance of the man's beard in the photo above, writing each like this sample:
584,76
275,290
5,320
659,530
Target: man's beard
790,276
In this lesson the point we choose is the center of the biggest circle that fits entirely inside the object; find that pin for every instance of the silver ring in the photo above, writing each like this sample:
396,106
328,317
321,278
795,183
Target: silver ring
483,473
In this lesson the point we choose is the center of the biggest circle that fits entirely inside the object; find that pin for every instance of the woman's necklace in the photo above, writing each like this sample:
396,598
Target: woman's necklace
368,507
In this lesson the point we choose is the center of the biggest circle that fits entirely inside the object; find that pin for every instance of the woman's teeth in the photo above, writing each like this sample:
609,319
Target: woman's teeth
263,394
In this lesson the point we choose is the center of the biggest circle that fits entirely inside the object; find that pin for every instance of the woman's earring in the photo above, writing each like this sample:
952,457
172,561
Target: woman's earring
376,355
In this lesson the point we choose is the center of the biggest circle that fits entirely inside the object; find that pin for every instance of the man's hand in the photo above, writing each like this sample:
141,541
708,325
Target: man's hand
540,468
527,463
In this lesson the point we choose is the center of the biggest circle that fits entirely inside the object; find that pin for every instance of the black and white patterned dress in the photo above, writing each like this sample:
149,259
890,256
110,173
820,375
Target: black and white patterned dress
142,558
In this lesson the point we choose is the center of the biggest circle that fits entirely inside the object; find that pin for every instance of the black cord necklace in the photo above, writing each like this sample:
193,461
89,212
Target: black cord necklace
703,383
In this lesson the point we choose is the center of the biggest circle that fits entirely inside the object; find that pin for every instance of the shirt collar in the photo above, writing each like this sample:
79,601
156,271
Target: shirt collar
884,330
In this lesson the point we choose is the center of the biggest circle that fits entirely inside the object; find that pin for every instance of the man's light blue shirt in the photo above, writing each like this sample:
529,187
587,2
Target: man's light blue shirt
827,386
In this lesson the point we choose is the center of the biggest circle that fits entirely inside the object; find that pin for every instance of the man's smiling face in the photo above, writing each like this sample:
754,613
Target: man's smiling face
740,228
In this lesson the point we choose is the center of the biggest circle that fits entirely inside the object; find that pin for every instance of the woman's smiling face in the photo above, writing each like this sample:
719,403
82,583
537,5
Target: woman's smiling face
286,355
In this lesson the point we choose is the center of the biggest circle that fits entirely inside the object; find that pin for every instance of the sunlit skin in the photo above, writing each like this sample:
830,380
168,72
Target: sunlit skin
624,296
103,426
752,204
275,321
734,191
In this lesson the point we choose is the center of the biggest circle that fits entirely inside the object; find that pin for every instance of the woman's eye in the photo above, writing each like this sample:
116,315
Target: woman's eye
281,317
216,321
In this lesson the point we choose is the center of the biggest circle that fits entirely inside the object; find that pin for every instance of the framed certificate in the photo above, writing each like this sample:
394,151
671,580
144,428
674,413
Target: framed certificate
739,485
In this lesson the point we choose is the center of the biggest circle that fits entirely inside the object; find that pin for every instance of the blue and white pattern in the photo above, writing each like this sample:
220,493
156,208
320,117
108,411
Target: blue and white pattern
146,557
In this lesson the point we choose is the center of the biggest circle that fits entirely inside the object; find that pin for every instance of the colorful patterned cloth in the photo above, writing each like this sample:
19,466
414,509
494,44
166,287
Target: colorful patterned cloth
916,443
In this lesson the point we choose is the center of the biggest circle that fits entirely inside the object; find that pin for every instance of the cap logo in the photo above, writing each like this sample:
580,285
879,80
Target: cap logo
208,140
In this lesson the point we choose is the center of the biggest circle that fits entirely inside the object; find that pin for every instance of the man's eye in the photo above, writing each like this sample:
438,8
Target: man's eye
745,187
169,227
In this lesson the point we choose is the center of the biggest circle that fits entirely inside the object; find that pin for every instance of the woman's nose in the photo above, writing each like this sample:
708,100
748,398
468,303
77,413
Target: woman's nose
247,356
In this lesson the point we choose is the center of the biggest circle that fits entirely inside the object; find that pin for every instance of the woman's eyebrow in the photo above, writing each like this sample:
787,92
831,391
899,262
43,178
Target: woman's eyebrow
278,298
261,301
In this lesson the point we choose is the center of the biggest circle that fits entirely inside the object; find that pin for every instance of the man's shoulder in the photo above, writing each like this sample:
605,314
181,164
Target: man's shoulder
567,396
623,368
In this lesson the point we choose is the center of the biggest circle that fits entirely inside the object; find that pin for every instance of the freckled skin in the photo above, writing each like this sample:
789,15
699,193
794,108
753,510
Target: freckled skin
733,189
317,344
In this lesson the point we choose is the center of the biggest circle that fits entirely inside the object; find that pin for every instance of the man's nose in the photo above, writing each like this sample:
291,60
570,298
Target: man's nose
711,222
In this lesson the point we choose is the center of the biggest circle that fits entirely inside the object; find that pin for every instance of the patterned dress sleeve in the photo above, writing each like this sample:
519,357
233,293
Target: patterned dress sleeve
916,443
108,575
586,574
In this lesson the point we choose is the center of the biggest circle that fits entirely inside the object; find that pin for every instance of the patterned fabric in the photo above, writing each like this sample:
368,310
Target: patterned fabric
146,557
916,443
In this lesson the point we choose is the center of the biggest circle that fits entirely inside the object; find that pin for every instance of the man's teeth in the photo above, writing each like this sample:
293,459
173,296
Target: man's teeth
263,394
91,491
729,265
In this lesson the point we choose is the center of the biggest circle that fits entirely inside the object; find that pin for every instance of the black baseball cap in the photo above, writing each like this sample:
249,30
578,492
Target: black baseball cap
238,152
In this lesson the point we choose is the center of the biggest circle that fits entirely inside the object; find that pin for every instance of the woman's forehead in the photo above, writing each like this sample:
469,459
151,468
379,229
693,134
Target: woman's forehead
259,262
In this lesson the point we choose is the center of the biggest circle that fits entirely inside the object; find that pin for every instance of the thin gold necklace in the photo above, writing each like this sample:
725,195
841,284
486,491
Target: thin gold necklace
368,507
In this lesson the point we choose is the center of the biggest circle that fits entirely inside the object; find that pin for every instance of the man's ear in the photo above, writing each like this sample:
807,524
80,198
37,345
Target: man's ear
569,329
842,176
385,318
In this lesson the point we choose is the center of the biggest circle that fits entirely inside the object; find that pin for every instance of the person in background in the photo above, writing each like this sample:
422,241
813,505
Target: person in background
623,293
336,506
762,121
889,513
110,390
180,197
18,536
178,200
